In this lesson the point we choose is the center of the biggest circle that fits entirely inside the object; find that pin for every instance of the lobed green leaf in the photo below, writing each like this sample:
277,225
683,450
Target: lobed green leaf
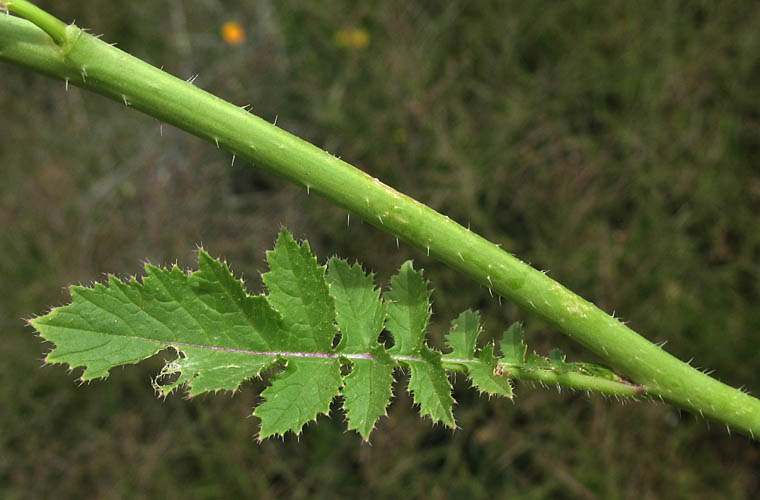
298,394
297,289
223,336
368,390
361,317
513,348
430,387
480,369
408,310
408,316
360,310
464,334
484,376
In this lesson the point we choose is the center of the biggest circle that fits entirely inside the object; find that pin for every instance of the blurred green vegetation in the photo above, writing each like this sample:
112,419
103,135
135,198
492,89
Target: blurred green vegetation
615,144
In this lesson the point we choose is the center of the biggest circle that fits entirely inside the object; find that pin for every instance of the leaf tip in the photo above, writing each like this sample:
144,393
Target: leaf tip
285,236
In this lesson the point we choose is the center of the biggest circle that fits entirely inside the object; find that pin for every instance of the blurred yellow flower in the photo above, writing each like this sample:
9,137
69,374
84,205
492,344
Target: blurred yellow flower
233,33
356,38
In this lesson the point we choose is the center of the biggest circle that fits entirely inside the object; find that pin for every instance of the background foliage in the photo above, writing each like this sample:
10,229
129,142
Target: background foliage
615,144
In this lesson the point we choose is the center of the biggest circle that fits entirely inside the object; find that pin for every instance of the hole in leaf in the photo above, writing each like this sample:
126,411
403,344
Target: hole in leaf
386,339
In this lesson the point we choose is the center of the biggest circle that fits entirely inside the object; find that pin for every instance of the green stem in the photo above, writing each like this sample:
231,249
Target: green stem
572,380
49,24
90,63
